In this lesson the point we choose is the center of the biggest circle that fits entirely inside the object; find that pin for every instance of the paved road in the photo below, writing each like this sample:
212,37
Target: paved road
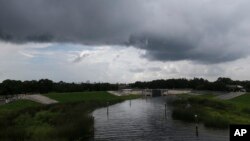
39,98
230,95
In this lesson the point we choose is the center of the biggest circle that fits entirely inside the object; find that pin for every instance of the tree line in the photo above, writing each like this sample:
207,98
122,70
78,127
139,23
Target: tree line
12,87
221,84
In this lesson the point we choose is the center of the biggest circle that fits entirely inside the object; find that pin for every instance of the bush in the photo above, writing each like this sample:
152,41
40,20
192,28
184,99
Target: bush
54,122
216,121
213,103
246,110
42,131
45,116
204,108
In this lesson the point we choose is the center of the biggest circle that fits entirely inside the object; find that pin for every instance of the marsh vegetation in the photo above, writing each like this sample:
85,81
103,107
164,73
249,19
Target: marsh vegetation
68,120
212,112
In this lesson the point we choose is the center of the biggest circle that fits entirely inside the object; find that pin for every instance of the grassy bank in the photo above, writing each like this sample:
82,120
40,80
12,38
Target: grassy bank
18,105
87,96
242,101
212,112
68,120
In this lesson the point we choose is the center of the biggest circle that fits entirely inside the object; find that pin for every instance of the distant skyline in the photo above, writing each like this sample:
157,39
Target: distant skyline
124,40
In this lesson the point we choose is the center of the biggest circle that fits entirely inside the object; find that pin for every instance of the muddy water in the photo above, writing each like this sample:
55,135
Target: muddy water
147,120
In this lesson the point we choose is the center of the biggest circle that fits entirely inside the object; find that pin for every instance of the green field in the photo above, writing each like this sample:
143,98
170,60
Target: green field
70,119
87,96
212,112
18,105
243,100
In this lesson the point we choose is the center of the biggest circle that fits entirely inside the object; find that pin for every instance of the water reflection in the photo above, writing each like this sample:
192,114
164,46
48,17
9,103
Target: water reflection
148,120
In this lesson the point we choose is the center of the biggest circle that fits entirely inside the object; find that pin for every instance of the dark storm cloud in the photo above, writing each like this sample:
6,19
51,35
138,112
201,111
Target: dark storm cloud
207,31
86,21
180,48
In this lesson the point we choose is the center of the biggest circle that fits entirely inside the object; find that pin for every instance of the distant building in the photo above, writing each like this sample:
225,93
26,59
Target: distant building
154,92
122,86
236,88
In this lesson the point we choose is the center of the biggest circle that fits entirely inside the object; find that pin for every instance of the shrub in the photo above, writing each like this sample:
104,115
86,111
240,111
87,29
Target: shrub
246,110
213,103
216,121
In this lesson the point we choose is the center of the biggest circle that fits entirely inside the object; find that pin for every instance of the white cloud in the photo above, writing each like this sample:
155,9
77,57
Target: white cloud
26,54
103,64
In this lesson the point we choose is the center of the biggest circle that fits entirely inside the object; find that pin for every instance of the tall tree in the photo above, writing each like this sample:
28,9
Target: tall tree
45,85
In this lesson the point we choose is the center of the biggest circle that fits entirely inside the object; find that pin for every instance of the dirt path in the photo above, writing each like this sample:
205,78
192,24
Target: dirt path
230,95
39,98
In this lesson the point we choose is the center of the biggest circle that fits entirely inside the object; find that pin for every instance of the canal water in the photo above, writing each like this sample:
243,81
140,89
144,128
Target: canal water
146,120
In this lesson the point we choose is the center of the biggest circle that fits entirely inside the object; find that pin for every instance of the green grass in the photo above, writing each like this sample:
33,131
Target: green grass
242,101
18,105
80,96
87,96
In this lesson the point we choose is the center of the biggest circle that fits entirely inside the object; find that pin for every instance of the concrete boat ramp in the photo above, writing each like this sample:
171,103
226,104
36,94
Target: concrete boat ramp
39,98
34,97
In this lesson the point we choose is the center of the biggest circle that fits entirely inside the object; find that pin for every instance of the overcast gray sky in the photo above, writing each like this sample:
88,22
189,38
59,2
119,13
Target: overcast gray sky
124,40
